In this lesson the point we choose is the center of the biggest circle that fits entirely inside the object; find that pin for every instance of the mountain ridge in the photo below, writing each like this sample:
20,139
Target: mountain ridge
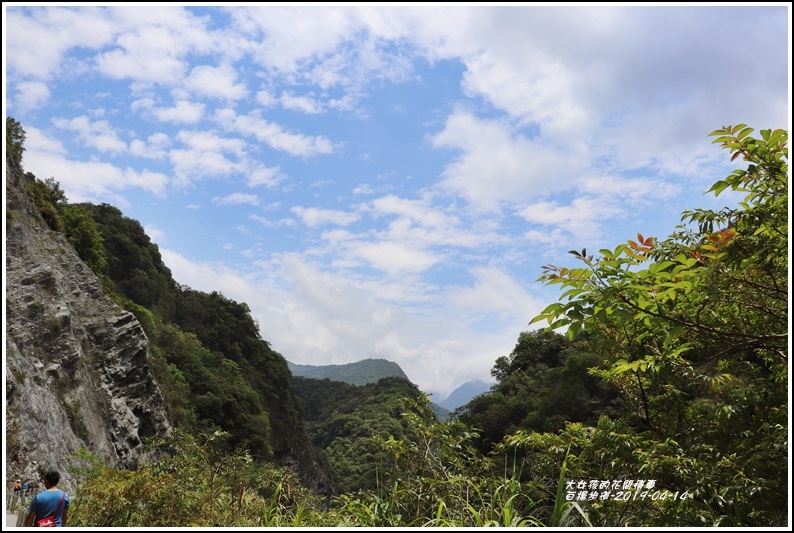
361,372
464,394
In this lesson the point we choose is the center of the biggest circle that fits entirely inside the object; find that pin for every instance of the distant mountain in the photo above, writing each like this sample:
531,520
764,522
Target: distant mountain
442,413
358,373
464,394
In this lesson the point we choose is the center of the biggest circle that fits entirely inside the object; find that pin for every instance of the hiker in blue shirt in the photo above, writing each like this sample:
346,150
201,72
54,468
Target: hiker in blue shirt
49,508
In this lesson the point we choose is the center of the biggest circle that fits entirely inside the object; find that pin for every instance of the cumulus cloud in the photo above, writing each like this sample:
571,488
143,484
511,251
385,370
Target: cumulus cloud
153,44
236,199
183,111
99,135
273,134
265,99
304,104
192,164
496,165
204,155
153,148
312,216
31,94
209,140
215,82
259,175
44,36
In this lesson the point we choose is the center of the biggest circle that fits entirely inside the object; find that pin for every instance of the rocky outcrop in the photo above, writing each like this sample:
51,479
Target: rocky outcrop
77,371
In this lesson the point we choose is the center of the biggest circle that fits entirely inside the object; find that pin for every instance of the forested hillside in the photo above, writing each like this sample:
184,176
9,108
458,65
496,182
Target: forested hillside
664,405
346,421
357,373
541,386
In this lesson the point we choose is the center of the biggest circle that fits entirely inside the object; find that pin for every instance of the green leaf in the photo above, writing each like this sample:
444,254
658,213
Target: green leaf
746,131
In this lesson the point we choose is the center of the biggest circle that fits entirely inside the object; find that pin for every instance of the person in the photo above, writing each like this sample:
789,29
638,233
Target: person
50,502
17,485
25,485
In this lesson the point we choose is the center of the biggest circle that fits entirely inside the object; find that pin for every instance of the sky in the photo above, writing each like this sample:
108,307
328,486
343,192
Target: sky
387,180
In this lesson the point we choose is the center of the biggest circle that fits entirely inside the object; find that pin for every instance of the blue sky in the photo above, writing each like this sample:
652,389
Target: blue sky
386,181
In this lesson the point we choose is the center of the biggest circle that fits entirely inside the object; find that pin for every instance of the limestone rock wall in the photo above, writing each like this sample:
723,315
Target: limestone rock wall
77,372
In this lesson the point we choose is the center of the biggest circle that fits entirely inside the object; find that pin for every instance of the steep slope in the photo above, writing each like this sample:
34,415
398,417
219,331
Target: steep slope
77,371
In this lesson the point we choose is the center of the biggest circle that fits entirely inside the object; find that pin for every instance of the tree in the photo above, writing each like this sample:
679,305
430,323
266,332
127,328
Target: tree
15,140
542,385
82,232
694,331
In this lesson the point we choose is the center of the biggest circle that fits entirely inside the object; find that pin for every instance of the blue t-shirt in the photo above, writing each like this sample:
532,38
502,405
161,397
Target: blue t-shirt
45,503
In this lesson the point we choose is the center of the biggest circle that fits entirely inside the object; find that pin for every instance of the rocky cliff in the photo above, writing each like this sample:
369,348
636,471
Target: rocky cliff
77,372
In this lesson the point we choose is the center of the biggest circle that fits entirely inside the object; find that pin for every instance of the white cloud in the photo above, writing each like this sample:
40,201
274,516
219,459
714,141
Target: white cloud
259,175
204,156
637,191
265,99
304,104
582,217
281,223
154,147
37,141
153,44
216,82
494,291
291,36
42,37
193,164
312,216
98,135
236,199
210,141
363,189
599,199
395,257
31,94
498,166
273,134
182,112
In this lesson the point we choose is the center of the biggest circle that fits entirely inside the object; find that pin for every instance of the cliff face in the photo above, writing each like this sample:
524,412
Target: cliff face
77,372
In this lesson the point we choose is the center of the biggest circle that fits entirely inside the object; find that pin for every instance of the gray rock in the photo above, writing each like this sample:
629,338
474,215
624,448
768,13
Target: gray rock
77,369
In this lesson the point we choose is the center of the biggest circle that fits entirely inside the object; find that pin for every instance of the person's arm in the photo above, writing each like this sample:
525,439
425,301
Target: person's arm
29,519
63,517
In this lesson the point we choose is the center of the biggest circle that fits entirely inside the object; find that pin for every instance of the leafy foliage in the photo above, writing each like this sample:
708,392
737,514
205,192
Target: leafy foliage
199,484
82,232
345,421
543,384
15,141
694,333
48,198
